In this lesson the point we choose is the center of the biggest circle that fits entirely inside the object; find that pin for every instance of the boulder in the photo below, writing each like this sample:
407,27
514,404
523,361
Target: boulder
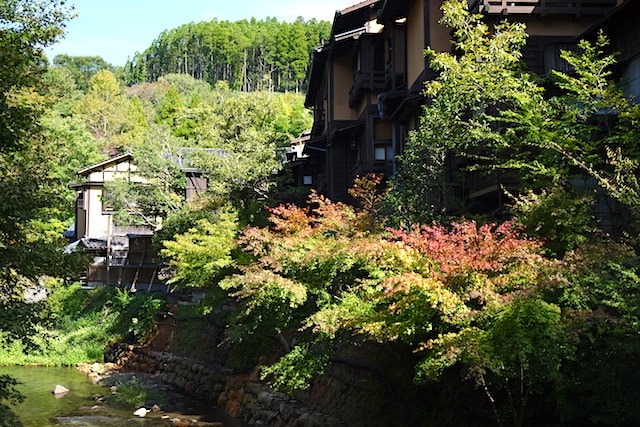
59,391
141,412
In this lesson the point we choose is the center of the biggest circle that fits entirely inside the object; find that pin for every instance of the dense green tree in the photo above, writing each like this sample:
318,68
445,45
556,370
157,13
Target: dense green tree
202,255
233,138
591,126
109,115
186,85
67,136
157,188
249,128
26,28
249,55
458,119
82,68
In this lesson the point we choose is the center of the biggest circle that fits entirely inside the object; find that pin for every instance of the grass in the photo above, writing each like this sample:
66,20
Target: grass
79,324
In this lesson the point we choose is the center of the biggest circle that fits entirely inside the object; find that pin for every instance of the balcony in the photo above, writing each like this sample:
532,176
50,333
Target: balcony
542,7
365,81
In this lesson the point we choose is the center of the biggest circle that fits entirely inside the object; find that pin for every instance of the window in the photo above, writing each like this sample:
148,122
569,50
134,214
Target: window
81,201
307,180
382,153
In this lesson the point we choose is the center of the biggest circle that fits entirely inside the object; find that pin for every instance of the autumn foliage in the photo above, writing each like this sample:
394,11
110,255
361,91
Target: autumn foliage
332,273
482,299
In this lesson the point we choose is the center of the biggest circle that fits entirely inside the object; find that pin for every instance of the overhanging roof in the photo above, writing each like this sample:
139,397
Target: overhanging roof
86,184
354,16
394,9
316,74
348,24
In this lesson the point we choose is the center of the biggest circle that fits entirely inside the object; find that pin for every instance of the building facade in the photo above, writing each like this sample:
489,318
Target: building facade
366,83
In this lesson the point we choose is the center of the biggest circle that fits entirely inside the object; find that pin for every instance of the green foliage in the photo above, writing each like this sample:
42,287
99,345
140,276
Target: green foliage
250,55
302,263
494,117
136,312
270,302
199,329
30,225
28,193
156,190
66,300
249,129
590,127
459,116
186,85
558,216
520,350
82,68
79,324
476,298
295,370
21,321
199,257
234,139
109,115
599,296
28,27
9,395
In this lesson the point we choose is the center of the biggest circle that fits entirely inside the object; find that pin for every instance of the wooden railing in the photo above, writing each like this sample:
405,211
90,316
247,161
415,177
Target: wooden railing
364,81
560,7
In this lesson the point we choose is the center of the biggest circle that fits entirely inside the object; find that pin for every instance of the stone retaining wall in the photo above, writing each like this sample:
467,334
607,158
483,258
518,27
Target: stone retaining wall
239,395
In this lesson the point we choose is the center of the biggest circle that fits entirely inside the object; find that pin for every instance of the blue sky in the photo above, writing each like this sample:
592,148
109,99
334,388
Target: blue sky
116,29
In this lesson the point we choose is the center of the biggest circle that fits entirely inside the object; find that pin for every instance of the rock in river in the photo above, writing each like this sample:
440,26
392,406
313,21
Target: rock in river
59,391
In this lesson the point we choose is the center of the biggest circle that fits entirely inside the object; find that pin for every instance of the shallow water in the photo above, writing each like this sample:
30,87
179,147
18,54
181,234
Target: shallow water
78,407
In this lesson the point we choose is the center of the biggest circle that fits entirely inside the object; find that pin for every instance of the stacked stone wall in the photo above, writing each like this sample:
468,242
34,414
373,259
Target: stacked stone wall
241,396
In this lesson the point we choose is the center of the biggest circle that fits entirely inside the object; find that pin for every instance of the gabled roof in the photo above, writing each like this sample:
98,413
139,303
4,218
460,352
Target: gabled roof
354,16
101,165
348,23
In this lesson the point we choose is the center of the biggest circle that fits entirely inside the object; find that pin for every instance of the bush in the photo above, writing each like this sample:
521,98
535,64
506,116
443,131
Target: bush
80,324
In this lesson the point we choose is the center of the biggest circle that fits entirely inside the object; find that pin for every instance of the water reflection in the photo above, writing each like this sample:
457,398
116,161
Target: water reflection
78,406
97,421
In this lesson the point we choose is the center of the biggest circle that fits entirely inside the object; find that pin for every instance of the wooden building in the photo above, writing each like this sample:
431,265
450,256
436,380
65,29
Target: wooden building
123,255
366,83
93,214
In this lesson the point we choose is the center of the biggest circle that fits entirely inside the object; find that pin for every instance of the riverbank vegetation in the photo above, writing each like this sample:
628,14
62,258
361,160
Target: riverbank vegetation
75,324
530,316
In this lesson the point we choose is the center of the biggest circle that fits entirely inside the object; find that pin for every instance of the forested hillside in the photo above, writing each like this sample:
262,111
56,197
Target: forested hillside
249,55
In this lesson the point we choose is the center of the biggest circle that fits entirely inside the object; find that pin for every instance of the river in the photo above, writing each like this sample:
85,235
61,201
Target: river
79,408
